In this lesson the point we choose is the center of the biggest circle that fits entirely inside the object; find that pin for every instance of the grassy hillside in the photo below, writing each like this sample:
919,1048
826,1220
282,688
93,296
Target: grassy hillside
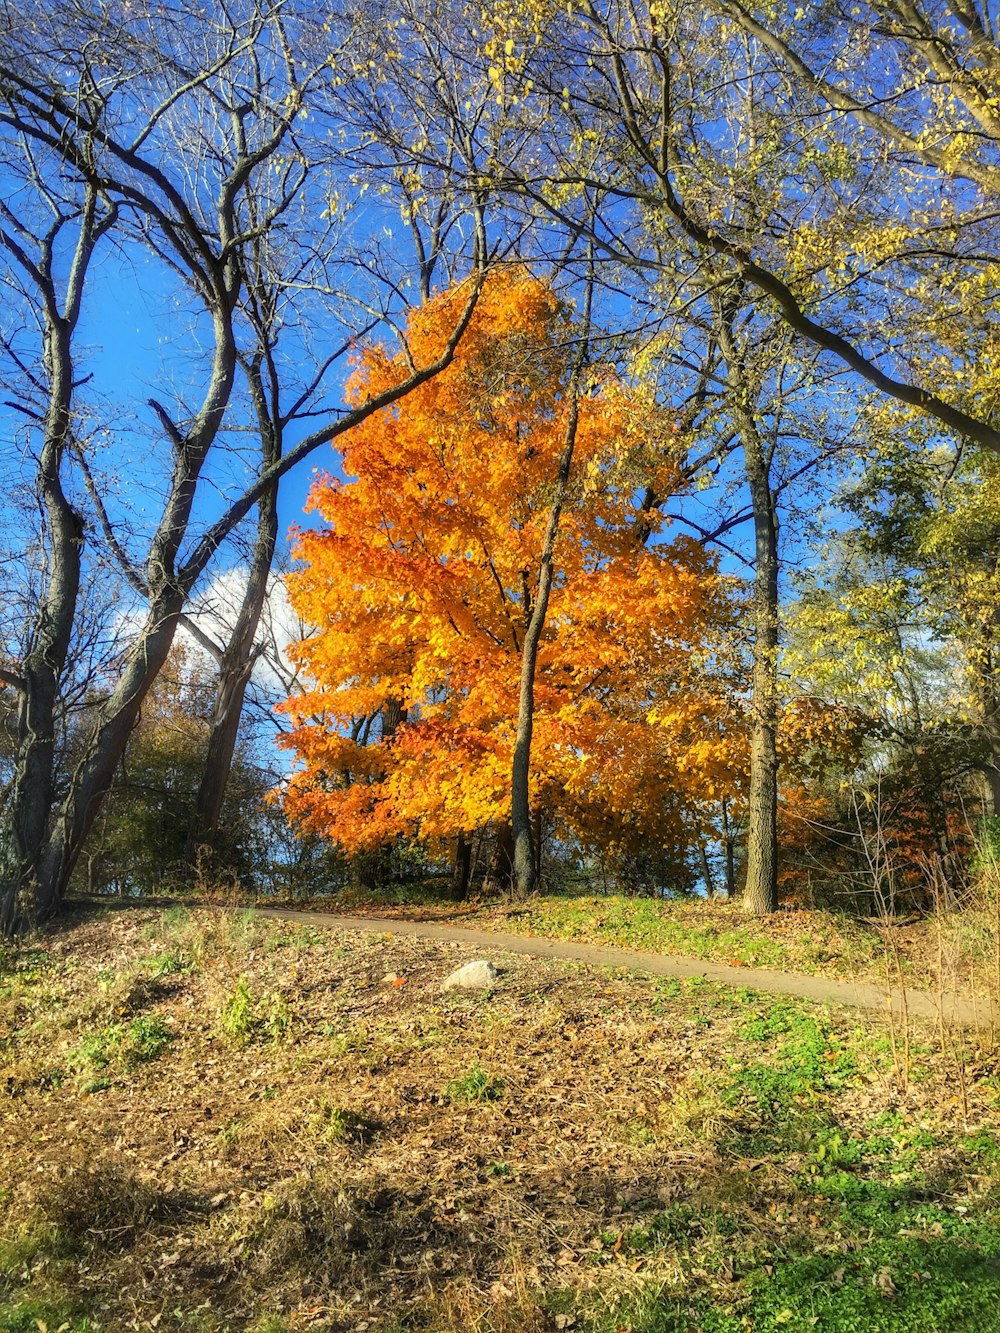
214,1122
960,946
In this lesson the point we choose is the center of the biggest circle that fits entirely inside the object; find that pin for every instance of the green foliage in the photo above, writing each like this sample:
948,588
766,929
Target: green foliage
245,1018
475,1085
808,1056
335,1124
986,854
23,1246
271,1323
170,963
140,841
237,1017
21,965
647,923
147,1038
120,1047
175,917
904,1266
43,1317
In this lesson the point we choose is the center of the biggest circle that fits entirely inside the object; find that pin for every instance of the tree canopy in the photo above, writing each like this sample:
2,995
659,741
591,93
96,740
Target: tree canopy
423,573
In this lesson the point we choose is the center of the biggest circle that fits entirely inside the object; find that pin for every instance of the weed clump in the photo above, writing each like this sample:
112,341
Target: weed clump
245,1018
334,1124
120,1048
475,1085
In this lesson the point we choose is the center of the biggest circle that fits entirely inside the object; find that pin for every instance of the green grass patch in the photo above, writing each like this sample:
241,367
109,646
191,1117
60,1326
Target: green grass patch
245,1018
120,1048
31,1316
710,931
888,1267
170,963
475,1085
648,924
781,1097
21,966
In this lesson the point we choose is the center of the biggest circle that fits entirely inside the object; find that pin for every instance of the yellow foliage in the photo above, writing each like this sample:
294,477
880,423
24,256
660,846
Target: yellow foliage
425,568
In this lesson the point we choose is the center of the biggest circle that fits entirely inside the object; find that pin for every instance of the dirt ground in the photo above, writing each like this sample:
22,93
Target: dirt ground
957,1008
217,1121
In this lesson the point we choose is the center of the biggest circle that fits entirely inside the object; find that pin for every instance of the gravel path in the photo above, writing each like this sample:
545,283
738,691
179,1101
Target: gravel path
957,1009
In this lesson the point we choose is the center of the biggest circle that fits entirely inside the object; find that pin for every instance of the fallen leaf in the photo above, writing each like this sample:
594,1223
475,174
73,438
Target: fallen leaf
883,1283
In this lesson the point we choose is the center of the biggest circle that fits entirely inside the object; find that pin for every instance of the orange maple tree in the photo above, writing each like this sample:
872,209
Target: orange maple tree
422,576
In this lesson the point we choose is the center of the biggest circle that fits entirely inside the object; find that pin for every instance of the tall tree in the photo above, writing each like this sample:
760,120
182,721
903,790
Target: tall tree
873,198
235,93
760,890
535,612
420,581
82,218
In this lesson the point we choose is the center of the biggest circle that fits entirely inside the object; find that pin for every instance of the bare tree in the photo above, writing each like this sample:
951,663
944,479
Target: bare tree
113,98
86,216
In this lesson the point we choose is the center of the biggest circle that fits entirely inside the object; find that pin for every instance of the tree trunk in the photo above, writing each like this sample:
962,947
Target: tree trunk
235,668
760,891
499,875
983,662
105,746
462,870
729,851
30,802
167,591
706,870
24,824
538,835
520,806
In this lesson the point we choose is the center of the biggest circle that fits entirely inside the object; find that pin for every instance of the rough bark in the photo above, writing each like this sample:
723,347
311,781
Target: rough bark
706,870
729,851
525,874
168,591
760,889
988,690
105,746
235,667
27,811
462,871
499,877
41,671
236,660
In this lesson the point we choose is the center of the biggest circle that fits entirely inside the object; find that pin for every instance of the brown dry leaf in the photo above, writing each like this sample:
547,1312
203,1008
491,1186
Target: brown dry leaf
883,1283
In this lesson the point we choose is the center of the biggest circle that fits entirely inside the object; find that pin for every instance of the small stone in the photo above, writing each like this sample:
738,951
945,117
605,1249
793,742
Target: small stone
479,975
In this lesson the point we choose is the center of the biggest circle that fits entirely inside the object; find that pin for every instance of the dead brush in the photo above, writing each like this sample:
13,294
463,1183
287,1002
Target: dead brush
104,1205
695,1113
119,992
509,1305
314,1226
211,935
312,1127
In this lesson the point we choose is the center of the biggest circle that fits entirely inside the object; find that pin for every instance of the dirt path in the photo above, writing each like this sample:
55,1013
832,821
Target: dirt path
957,1009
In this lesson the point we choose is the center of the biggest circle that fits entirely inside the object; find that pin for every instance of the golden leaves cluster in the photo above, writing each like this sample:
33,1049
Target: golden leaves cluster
425,566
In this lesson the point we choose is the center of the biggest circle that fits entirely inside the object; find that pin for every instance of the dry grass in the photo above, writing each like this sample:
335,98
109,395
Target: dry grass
642,1145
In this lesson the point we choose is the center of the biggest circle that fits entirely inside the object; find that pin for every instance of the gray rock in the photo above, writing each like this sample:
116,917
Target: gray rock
479,975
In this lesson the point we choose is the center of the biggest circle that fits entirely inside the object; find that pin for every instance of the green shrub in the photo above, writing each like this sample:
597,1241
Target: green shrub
121,1046
245,1019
